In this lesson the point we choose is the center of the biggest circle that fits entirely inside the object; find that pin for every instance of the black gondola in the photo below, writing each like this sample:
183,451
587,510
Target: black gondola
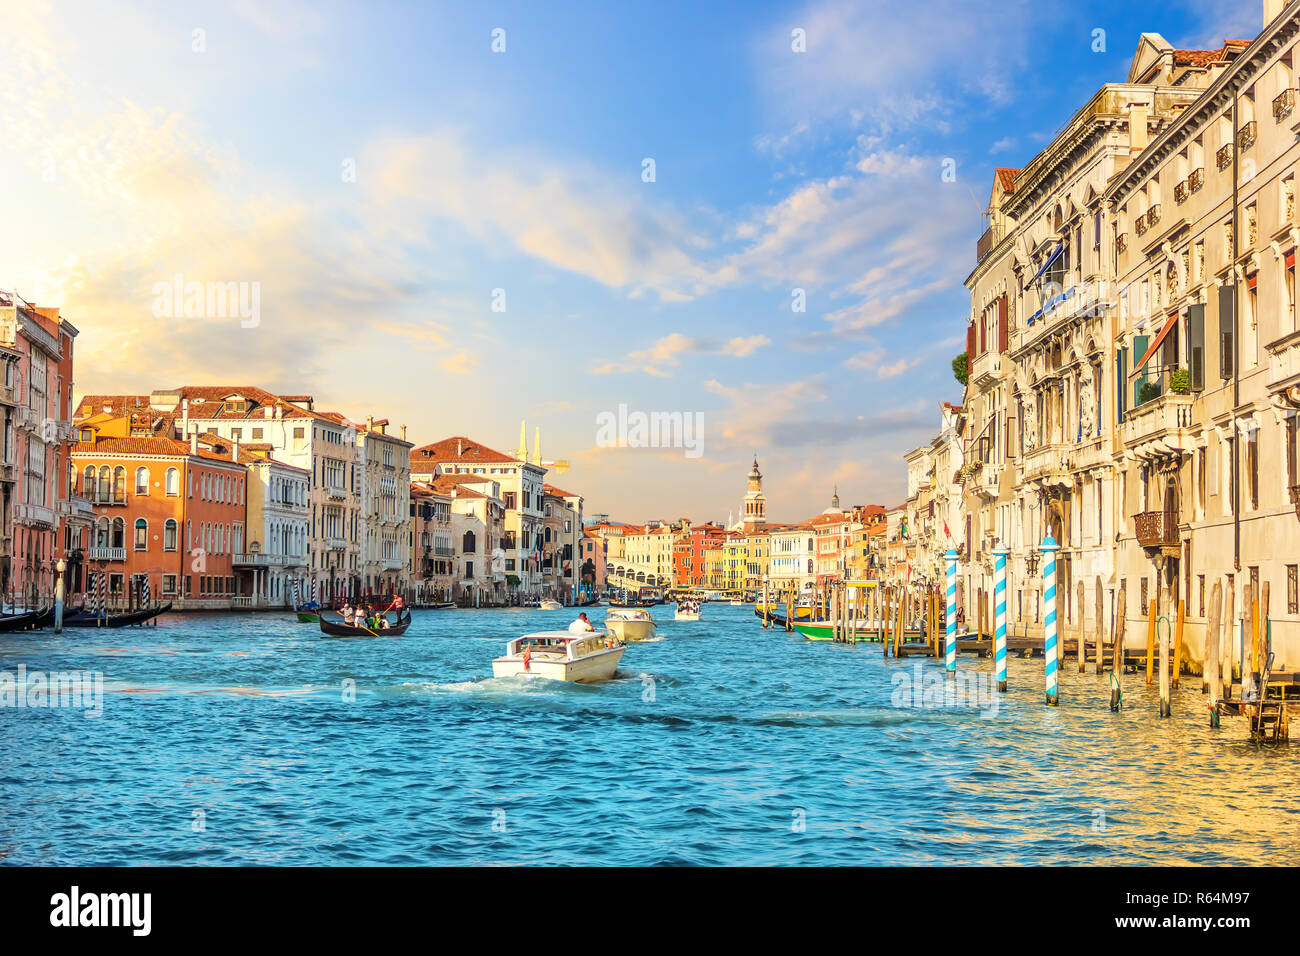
339,629
125,619
17,622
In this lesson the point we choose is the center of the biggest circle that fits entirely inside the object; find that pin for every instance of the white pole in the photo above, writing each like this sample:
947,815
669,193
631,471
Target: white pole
1050,547
1000,615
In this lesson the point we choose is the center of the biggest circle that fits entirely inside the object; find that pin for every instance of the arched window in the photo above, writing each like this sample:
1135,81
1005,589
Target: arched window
169,535
101,533
467,544
119,533
105,490
119,485
88,482
142,480
173,482
141,535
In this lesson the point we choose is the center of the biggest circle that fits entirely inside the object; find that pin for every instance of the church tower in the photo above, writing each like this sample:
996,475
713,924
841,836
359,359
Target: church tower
755,509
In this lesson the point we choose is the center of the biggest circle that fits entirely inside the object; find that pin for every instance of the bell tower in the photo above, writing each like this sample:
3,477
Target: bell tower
755,505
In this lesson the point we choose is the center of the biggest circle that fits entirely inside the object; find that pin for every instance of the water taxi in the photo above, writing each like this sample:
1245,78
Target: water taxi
803,611
687,611
630,624
559,655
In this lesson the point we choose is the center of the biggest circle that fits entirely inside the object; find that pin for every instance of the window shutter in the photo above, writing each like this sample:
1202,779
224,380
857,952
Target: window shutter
983,333
1227,304
1139,349
1002,323
970,343
1121,378
1196,345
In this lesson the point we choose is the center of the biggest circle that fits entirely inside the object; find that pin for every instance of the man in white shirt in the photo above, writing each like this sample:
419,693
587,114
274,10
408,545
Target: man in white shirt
581,625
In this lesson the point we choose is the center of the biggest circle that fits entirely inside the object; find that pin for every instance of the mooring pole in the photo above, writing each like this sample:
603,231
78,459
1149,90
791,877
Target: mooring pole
1050,662
950,648
1000,616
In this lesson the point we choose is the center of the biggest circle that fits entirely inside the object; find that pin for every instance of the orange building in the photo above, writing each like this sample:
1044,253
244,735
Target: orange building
166,510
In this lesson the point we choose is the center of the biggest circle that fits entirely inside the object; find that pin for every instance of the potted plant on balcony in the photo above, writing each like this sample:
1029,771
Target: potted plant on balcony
1180,383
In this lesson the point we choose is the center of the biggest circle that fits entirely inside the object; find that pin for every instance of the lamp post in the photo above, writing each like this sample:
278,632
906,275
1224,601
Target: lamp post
60,566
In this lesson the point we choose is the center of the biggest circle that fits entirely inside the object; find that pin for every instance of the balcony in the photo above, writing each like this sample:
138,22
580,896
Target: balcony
1153,215
1196,179
1047,464
106,554
442,550
253,559
1140,225
335,491
986,369
1157,529
8,395
34,515
1223,158
108,498
26,418
1246,135
1283,104
1181,192
1295,499
1121,242
336,544
1159,427
986,243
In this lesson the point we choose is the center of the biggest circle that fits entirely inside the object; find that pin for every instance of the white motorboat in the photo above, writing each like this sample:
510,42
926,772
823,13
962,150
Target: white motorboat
549,605
559,655
630,624
687,611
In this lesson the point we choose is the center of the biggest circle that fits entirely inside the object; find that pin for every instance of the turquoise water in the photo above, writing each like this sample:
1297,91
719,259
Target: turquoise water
227,740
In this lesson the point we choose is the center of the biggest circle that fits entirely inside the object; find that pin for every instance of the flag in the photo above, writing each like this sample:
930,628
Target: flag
946,532
906,536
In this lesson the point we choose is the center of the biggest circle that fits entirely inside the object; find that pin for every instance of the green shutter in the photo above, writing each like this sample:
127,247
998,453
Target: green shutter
1196,346
1121,378
1227,345
1140,344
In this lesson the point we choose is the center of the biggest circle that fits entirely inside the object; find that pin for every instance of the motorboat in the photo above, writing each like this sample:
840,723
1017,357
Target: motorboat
687,611
582,658
628,624
549,605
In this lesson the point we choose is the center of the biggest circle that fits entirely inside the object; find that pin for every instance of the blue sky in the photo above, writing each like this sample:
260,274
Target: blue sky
137,148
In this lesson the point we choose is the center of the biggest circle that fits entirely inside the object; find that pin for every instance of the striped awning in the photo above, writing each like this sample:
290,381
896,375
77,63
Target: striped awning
1151,349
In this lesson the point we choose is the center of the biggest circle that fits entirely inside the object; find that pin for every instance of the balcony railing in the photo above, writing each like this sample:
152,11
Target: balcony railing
1121,242
986,243
1196,179
253,559
1181,192
29,514
1223,158
1283,104
1140,225
335,491
1153,215
1246,135
1156,529
106,554
1295,499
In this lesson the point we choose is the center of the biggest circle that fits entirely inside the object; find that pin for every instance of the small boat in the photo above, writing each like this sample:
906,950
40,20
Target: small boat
559,655
308,613
687,611
124,619
437,607
630,624
825,630
738,602
549,605
340,629
802,611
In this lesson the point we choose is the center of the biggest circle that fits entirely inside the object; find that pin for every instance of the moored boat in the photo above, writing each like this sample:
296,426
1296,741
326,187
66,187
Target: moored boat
123,619
630,624
825,630
560,655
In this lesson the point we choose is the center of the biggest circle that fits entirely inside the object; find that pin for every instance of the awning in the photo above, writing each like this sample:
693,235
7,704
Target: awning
1151,349
1056,253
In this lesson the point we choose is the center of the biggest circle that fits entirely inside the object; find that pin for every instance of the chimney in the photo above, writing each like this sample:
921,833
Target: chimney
185,416
370,423
234,449
1137,127
460,450
403,433
194,443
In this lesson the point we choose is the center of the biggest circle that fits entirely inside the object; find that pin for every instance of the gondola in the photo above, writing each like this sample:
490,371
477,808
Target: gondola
18,622
339,629
125,619
437,607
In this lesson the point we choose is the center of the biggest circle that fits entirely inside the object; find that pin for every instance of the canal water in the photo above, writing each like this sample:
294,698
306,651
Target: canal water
231,739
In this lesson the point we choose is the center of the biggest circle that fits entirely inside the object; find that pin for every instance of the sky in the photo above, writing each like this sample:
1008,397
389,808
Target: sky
461,216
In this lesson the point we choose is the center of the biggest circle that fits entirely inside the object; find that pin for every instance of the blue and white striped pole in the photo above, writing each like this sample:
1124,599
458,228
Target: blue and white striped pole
1000,614
1050,547
950,648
